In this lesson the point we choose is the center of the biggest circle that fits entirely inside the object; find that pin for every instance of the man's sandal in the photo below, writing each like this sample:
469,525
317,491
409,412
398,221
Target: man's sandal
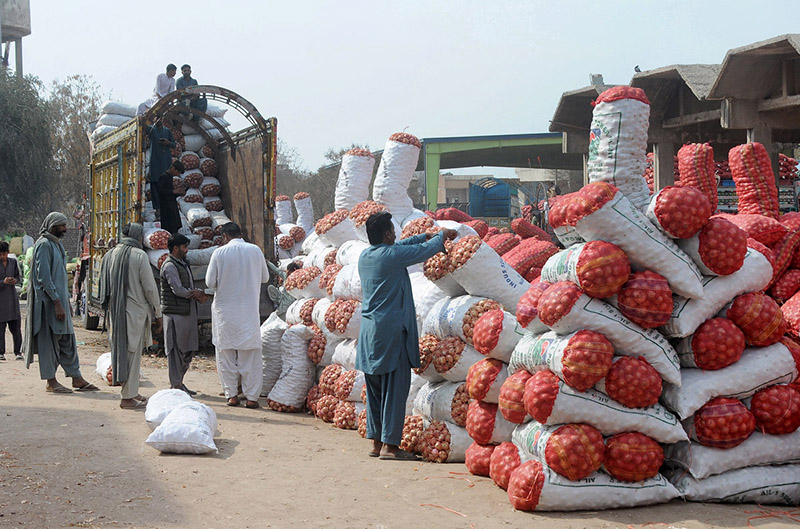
58,389
87,387
233,401
401,455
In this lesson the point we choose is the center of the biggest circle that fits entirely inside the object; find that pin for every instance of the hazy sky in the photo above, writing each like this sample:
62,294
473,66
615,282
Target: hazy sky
356,71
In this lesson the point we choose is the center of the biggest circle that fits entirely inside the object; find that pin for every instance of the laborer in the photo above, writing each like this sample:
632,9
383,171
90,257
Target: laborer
165,83
168,198
48,323
179,299
387,346
9,302
280,298
161,141
129,295
197,102
237,270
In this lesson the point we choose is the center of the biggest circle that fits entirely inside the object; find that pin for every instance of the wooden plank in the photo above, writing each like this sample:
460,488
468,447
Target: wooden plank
243,189
664,164
739,114
692,119
778,103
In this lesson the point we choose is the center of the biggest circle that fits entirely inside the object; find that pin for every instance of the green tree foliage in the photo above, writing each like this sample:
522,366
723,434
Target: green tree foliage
26,163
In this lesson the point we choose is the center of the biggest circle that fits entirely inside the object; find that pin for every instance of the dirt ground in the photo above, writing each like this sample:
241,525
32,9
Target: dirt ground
80,461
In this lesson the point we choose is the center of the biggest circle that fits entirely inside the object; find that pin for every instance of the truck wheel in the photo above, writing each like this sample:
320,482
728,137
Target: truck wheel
90,323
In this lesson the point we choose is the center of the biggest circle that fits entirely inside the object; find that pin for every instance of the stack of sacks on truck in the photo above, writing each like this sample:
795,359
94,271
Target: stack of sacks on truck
201,209
113,114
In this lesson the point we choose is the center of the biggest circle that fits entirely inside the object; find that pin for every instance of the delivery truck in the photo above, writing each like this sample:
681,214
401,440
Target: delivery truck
246,168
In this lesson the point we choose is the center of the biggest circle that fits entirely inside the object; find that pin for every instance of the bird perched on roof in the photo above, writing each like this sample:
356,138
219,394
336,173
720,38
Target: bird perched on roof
637,69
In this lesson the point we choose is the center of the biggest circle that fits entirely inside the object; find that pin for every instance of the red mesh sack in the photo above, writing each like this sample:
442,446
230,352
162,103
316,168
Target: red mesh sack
586,359
784,252
589,199
412,433
646,299
632,456
765,230
759,317
717,343
503,242
722,246
776,409
633,382
602,269
525,229
791,313
491,232
574,451
326,407
541,391
533,274
530,253
479,226
557,301
504,459
557,217
453,214
723,423
328,378
427,349
696,166
681,211
752,173
477,459
487,330
510,403
480,420
481,376
786,286
622,92
527,307
525,485
791,220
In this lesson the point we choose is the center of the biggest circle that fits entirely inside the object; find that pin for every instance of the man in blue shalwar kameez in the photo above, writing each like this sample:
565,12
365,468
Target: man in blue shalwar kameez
388,343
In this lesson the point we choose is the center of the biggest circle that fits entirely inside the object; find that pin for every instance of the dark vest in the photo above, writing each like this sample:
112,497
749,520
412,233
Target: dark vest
170,303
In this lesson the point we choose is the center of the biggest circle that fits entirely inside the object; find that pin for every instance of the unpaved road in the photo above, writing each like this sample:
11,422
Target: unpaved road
80,461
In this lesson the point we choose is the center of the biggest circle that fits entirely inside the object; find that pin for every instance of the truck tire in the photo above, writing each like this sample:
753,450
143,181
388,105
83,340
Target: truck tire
90,323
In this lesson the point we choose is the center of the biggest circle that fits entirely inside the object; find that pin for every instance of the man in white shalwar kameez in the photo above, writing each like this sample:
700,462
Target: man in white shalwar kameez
237,270
165,84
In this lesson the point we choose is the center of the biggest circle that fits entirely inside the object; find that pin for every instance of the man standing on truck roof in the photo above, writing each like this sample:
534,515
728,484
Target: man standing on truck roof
168,198
236,271
161,141
387,346
165,83
129,296
48,323
197,102
179,299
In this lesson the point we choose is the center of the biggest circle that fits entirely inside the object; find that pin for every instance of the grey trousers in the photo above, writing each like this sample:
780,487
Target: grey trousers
57,350
130,388
386,403
179,362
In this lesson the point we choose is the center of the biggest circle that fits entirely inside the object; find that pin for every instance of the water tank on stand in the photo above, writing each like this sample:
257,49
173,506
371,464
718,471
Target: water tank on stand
15,23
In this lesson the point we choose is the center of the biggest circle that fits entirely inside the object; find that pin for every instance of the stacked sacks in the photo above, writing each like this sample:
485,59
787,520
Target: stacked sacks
355,174
398,163
113,114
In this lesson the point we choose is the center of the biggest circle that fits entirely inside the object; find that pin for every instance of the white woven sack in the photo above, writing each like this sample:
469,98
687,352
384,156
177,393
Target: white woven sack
286,228
218,219
297,371
434,323
459,442
340,233
154,255
599,491
312,242
610,417
163,402
567,235
461,229
429,374
619,222
118,107
214,111
759,449
305,213
414,215
114,120
347,284
194,142
316,257
312,290
102,130
398,162
199,257
194,193
352,186
563,265
537,352
206,124
194,240
449,286
187,429
353,325
502,429
486,274
511,332
447,316
283,213
293,311
758,368
196,215
350,251
416,384
272,331
102,366
150,233
318,315
618,147
434,401
763,485
330,348
627,337
209,180
688,314
345,354
425,294
469,357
